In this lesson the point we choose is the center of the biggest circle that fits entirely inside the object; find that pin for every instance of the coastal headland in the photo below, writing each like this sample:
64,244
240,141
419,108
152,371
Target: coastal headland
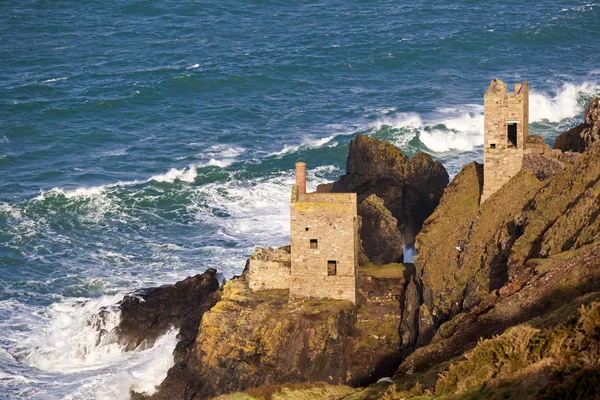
502,301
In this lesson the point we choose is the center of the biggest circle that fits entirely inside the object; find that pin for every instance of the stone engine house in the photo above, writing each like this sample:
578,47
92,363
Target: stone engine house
506,131
506,138
322,257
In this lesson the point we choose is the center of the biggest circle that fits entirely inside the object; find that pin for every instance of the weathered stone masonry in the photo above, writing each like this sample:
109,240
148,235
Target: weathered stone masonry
506,135
324,247
506,130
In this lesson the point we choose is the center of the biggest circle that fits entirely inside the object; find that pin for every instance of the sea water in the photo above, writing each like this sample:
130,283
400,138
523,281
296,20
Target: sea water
145,141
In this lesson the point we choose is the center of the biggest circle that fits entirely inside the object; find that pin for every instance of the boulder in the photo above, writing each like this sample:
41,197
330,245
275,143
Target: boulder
381,239
409,187
579,138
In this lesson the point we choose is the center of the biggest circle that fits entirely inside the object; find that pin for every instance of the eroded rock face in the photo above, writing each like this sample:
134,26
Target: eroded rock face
150,313
251,339
409,187
468,252
381,239
579,138
464,247
558,281
564,214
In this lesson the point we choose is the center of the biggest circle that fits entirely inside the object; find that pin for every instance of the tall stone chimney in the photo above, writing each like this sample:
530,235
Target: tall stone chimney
301,177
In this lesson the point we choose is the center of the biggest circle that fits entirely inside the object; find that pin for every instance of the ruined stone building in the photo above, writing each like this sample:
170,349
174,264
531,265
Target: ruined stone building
322,257
507,142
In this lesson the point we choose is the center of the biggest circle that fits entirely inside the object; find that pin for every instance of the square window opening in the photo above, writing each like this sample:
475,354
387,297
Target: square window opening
493,146
314,244
331,268
306,229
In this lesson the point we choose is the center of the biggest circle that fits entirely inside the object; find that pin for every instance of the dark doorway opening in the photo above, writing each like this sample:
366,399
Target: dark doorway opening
512,134
314,244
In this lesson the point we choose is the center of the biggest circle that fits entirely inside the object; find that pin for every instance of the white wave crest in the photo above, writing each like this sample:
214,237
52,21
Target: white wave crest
55,80
461,128
307,143
461,131
566,102
188,174
77,336
400,120
74,340
193,66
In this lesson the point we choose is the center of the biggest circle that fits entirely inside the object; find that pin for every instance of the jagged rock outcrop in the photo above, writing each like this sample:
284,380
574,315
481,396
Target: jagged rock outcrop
150,313
559,280
542,166
251,339
564,215
381,238
437,244
469,251
579,138
409,187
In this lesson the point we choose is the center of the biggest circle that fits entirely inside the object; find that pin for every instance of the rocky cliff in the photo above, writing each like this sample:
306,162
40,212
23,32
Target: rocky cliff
410,188
503,300
149,313
583,135
248,340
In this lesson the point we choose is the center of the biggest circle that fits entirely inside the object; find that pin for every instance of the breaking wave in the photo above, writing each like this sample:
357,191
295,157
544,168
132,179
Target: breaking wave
461,128
73,340
568,101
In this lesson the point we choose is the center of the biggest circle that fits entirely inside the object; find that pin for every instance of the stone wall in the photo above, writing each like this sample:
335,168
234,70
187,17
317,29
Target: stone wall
324,229
502,158
269,269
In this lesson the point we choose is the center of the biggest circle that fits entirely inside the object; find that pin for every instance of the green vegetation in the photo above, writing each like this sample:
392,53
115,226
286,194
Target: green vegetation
393,270
553,357
301,391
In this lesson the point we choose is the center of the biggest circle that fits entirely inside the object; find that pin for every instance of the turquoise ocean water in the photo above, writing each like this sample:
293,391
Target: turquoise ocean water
144,141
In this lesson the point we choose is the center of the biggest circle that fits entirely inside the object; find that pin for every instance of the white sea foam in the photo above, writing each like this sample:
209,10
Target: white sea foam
4,139
309,142
454,131
193,66
461,128
117,152
73,341
76,336
188,174
565,102
55,80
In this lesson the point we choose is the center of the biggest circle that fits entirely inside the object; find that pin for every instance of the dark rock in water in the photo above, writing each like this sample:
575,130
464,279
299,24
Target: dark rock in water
409,187
379,233
579,138
150,313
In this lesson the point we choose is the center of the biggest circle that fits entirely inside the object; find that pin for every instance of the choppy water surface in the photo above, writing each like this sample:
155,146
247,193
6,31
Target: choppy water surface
144,141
